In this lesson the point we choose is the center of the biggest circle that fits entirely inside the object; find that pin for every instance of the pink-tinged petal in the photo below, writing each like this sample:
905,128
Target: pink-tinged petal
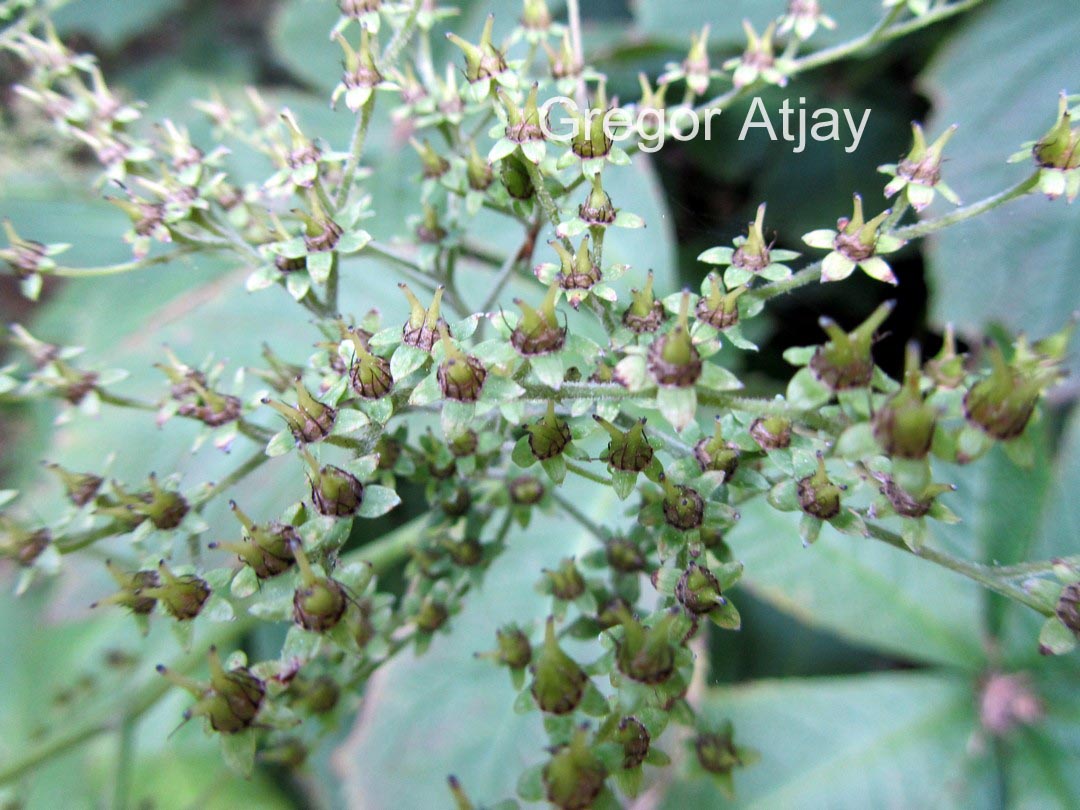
823,238
896,185
877,267
836,267
717,255
919,196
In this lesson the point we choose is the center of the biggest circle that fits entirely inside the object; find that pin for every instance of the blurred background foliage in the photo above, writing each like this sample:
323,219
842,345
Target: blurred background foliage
860,673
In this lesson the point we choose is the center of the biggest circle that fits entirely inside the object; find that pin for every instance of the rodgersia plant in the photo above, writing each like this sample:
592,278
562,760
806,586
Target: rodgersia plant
479,409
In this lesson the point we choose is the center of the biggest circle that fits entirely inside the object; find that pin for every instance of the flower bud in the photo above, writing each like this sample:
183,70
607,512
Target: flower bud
370,375
182,596
549,435
698,590
920,171
461,376
716,455
478,171
578,271
558,681
646,654
566,581
268,549
574,776
645,313
904,427
318,602
422,328
132,594
538,331
309,420
624,555
525,490
771,432
81,488
629,451
433,164
230,701
482,61
1068,607
334,492
684,508
818,496
845,361
719,309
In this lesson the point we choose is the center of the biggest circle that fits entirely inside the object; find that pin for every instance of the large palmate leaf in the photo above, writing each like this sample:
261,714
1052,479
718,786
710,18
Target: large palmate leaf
1016,265
896,740
905,606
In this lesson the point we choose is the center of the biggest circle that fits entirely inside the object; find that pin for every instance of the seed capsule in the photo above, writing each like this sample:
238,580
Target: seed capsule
635,740
81,488
370,375
558,681
525,490
515,176
719,309
318,602
230,701
904,427
482,61
334,491
478,171
577,271
549,435
624,555
698,589
716,752
818,495
597,208
133,590
566,581
309,420
645,313
431,615
715,455
422,328
461,376
538,332
673,360
646,654
684,508
513,647
266,549
182,596
845,361
629,451
771,432
574,776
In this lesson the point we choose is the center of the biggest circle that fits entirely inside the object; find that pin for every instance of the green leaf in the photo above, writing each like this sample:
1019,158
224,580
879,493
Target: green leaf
450,696
1014,265
890,740
860,589
378,500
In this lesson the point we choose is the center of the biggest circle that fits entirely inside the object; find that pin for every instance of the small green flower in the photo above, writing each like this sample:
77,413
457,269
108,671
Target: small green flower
29,261
361,77
694,69
759,60
230,701
919,174
856,243
751,256
1057,154
484,63
803,18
